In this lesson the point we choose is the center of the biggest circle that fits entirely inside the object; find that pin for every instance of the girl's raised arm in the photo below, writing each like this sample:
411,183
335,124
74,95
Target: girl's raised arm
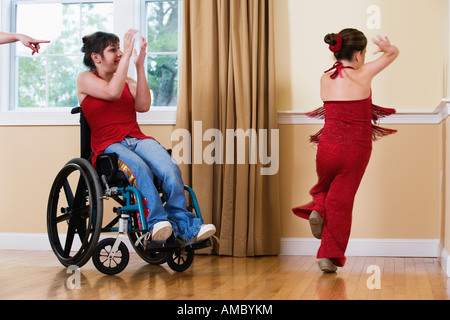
390,53
139,89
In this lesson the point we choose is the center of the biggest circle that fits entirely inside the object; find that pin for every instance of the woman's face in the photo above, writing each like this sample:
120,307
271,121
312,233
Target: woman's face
111,58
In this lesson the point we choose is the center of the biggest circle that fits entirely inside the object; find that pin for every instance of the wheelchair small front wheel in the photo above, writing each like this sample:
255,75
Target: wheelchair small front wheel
180,260
153,258
110,265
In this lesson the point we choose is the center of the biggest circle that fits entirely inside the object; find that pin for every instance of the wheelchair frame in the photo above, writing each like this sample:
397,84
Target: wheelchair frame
74,220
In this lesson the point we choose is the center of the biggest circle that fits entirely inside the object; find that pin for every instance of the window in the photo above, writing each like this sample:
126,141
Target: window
48,79
162,22
40,89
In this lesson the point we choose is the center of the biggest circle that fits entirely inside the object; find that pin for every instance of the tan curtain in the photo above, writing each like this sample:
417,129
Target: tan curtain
227,81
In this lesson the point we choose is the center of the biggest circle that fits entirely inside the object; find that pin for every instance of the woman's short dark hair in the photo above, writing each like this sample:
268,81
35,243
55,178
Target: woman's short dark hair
96,43
352,41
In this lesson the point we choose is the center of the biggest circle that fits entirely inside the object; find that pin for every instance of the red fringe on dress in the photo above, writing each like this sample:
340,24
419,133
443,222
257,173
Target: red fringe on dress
377,131
316,114
377,113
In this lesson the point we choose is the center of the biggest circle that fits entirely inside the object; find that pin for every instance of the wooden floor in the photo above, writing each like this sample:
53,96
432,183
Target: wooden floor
38,275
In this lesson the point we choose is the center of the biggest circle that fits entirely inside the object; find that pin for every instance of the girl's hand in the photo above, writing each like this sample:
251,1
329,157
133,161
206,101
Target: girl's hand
128,44
383,44
140,60
390,53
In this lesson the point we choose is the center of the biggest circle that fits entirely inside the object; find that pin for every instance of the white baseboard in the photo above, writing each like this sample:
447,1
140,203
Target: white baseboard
39,241
367,247
24,241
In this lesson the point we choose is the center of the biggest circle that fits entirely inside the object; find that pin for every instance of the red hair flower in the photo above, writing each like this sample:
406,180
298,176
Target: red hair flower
337,47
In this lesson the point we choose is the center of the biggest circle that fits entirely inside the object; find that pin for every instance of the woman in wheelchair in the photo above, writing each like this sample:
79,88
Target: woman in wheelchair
109,101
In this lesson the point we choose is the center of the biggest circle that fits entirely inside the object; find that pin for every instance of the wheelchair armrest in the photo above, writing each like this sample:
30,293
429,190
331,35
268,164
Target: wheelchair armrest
75,110
107,165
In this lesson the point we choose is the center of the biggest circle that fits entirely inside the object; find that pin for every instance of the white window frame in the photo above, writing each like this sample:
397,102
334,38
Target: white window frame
143,27
127,14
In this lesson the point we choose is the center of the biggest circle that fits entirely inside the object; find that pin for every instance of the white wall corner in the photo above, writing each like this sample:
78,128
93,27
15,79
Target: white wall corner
445,261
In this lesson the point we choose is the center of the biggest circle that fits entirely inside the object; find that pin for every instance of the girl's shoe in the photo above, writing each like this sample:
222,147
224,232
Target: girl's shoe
206,231
161,231
326,265
316,224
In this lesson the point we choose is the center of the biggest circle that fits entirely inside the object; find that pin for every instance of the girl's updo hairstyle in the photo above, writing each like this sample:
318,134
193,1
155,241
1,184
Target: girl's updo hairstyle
351,40
96,43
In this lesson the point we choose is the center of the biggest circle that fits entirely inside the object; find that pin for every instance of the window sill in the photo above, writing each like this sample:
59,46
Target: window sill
63,117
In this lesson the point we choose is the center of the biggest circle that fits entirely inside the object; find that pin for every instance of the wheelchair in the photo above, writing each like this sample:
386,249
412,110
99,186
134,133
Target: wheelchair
75,216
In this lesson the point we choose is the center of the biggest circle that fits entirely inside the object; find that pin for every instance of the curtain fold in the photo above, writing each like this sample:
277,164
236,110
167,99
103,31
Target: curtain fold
227,92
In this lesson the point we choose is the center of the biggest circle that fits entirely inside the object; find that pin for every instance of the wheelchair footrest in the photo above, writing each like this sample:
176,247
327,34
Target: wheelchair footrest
170,245
200,245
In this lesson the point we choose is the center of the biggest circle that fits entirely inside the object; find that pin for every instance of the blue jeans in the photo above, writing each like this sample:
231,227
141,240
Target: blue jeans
143,159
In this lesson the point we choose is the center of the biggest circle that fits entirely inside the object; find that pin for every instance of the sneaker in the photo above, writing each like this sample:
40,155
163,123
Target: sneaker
161,231
206,231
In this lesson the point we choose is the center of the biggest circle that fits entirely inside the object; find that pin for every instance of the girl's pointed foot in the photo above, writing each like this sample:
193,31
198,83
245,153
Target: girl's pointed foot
316,224
326,265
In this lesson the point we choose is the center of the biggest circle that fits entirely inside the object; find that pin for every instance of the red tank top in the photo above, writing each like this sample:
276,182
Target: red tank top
111,121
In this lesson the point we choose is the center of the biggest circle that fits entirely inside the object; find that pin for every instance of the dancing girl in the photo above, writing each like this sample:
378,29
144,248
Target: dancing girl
345,141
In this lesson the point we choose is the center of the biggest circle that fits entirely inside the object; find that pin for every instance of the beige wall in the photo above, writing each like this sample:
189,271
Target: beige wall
419,28
31,158
400,195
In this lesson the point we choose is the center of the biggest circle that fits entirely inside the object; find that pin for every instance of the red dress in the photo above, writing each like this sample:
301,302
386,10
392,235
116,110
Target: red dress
344,149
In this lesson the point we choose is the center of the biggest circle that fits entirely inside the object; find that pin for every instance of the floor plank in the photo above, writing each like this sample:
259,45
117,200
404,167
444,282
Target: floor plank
38,275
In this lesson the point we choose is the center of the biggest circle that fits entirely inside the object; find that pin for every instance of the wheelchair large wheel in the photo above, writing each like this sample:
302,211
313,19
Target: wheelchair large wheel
75,213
